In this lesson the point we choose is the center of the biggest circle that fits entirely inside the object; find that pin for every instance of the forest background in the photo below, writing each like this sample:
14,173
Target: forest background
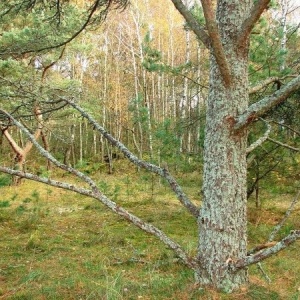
144,77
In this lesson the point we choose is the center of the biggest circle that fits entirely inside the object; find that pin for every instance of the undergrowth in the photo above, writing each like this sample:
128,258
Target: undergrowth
60,245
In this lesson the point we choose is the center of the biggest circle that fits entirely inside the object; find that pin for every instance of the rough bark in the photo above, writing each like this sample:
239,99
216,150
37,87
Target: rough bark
222,221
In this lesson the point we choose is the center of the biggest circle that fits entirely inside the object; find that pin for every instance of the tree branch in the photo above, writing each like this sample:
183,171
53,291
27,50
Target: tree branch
286,216
261,139
259,108
92,10
265,253
141,163
267,81
249,23
16,148
276,228
283,145
263,84
46,154
192,22
216,42
272,235
96,194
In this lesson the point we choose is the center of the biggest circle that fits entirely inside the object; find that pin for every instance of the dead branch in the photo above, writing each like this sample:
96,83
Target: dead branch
283,145
183,198
263,84
261,139
286,216
259,108
96,194
271,243
268,81
265,253
286,126
261,247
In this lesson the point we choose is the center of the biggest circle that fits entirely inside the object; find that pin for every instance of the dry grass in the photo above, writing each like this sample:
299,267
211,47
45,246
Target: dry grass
59,245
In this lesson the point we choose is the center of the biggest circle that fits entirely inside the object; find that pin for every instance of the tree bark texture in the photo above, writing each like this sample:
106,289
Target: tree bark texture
222,220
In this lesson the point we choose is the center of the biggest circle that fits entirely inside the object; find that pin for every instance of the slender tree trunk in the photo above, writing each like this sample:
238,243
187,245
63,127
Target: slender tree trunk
46,146
284,5
147,103
199,101
80,143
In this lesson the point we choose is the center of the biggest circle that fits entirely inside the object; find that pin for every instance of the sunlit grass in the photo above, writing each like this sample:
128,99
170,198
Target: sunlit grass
59,245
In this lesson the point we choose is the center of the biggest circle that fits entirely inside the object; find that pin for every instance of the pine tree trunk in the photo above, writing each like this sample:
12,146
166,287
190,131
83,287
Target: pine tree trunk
222,220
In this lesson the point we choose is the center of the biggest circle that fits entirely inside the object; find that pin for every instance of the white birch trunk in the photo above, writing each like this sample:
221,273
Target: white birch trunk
199,103
136,93
80,143
284,12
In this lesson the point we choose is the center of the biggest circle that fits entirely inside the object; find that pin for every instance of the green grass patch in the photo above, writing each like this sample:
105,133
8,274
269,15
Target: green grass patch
59,245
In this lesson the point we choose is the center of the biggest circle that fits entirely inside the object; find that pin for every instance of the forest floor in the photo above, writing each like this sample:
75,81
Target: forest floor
60,245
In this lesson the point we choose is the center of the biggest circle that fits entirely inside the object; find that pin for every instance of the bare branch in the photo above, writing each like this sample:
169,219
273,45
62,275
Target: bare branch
249,23
276,228
272,235
268,81
261,139
283,145
286,216
16,148
216,42
263,84
192,22
261,247
48,155
96,194
183,198
259,108
265,253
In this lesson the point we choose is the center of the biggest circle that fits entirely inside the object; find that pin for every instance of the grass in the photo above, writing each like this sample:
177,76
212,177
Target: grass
59,245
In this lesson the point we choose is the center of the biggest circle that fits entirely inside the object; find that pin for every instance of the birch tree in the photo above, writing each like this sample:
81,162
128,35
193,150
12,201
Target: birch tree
222,257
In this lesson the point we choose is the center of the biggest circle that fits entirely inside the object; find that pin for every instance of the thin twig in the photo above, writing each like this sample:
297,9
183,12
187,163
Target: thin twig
283,145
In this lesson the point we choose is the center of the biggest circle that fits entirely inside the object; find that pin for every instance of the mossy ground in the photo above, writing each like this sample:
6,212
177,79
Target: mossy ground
59,245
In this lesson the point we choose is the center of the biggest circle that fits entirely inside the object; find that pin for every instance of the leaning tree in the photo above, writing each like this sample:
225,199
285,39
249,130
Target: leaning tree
222,257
